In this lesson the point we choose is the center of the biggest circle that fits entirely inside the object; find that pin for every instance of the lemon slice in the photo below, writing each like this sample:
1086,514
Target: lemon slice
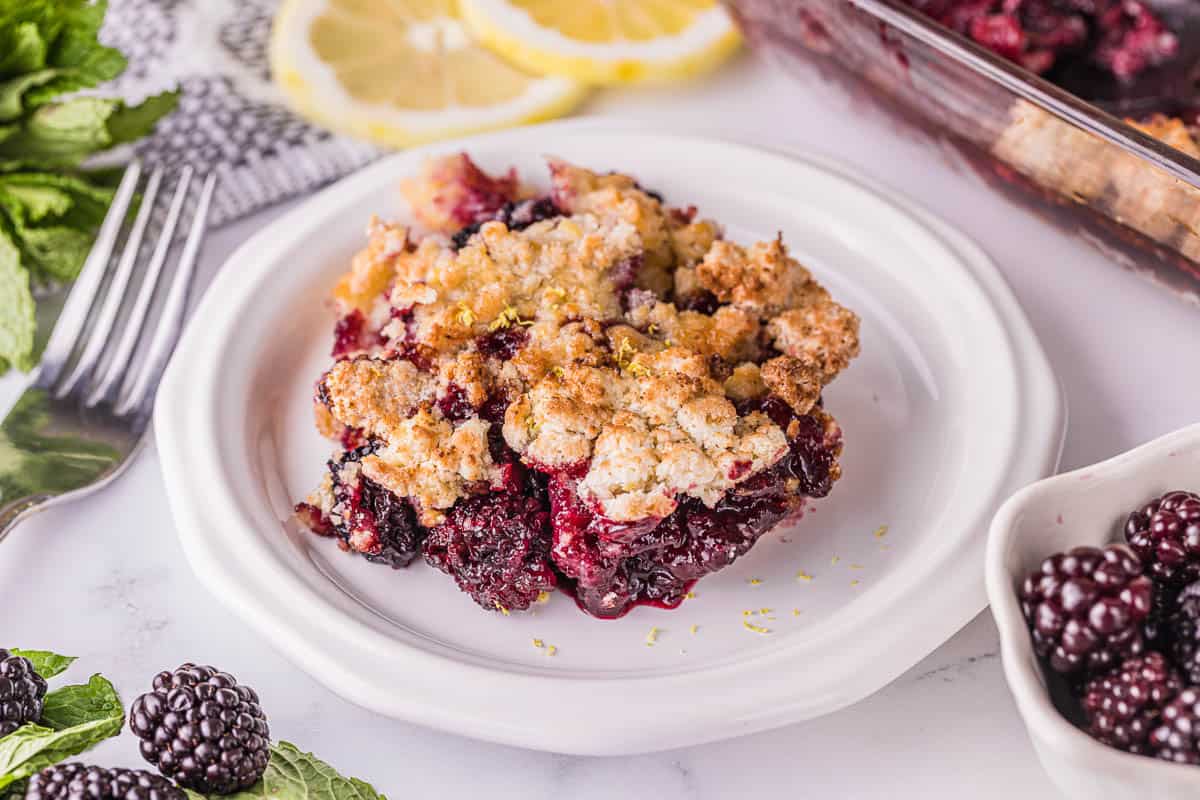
401,72
605,41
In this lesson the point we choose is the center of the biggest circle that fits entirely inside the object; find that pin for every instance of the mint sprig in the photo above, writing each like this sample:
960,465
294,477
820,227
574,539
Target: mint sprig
50,208
296,775
75,718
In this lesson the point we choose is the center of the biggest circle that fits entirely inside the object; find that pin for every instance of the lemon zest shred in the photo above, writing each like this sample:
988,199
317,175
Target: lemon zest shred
551,650
803,576
465,315
759,629
538,643
652,637
881,531
507,318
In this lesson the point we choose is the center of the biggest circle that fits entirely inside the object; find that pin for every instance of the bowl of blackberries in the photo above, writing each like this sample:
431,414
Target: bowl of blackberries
1094,582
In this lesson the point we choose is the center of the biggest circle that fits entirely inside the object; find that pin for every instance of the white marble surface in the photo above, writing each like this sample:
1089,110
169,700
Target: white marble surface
105,579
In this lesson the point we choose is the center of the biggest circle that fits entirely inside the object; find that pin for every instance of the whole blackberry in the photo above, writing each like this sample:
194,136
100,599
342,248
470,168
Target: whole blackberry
1181,632
21,692
1085,608
82,782
1177,735
1122,707
202,730
1165,533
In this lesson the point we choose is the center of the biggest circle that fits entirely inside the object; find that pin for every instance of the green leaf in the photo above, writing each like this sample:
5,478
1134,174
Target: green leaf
80,704
17,323
130,123
89,201
24,49
49,49
13,90
63,134
45,663
61,34
293,775
80,718
52,219
35,203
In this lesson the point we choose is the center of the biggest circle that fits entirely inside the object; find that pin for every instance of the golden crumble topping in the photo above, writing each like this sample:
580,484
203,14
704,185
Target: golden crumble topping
618,337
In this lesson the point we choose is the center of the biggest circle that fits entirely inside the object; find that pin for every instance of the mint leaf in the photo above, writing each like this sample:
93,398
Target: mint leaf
44,662
293,775
61,34
89,202
52,220
77,50
34,203
23,48
63,134
80,704
13,90
80,717
130,123
49,50
32,748
17,322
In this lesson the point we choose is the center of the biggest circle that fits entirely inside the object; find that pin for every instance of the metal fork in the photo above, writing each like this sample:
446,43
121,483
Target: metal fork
88,404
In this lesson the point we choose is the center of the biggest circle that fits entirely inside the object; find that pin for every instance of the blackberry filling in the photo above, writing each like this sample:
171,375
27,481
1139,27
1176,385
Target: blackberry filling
366,517
497,548
351,336
612,567
502,343
515,215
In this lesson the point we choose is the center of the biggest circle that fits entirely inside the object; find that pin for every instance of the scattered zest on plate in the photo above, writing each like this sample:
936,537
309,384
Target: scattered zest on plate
582,389
400,72
602,42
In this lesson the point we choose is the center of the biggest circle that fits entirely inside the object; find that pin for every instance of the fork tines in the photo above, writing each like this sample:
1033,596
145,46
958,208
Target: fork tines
121,320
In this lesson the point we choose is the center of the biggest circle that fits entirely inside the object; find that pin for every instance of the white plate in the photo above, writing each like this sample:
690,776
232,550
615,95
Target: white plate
950,408
1085,507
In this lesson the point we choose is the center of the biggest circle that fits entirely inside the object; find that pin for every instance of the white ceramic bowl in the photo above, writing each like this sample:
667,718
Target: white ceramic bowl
1085,507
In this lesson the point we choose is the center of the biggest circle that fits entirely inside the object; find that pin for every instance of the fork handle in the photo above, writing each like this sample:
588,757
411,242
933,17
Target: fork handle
17,510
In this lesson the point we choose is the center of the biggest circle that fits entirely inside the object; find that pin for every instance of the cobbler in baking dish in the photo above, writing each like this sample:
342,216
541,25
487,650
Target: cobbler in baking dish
585,390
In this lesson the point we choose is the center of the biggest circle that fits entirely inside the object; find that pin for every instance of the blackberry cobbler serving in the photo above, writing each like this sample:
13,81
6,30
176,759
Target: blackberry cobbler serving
585,390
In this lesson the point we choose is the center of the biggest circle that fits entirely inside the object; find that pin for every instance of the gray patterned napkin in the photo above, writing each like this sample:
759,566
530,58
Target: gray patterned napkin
230,117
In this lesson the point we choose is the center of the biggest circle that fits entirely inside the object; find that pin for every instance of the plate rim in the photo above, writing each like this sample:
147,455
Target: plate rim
179,402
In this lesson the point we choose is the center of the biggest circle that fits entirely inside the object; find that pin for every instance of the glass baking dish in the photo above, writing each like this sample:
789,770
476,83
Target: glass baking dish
1135,197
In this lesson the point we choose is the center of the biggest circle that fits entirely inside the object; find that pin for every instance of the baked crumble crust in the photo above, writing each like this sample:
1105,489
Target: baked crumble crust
572,322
